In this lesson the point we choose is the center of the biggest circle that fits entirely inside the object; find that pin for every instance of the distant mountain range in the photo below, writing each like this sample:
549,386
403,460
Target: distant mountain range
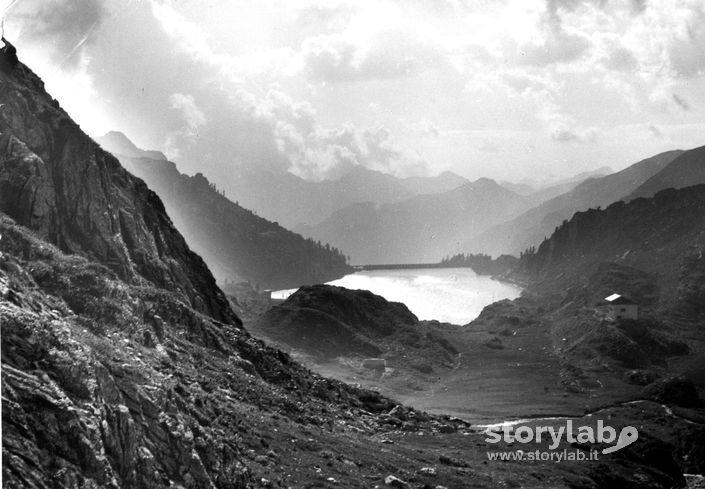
421,229
371,216
433,225
528,185
236,244
293,201
546,190
537,223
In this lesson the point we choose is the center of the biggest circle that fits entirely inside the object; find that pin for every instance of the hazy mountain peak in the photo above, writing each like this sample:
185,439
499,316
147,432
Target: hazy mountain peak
118,143
451,176
119,140
599,172
359,172
484,181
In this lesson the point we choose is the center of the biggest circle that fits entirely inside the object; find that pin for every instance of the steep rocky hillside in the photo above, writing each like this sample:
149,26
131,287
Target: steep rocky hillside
107,384
236,244
651,250
54,179
663,236
686,170
537,223
422,229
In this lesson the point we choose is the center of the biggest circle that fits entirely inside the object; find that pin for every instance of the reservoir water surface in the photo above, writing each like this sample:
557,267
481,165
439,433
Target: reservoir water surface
453,295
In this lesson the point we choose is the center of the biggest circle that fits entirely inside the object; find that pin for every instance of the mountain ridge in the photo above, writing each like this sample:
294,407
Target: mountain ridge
686,170
663,235
295,202
422,229
537,223
57,181
236,244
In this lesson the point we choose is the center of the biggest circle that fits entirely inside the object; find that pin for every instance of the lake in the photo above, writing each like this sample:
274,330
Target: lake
453,295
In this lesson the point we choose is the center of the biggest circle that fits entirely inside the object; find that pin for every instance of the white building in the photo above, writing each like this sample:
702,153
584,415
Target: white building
621,307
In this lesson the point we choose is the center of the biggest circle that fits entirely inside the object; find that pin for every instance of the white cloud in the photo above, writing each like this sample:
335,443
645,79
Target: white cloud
193,119
316,153
190,37
316,86
384,54
425,128
556,47
620,58
563,128
186,104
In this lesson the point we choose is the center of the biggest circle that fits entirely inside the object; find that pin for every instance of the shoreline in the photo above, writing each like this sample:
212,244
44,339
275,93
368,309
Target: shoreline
445,302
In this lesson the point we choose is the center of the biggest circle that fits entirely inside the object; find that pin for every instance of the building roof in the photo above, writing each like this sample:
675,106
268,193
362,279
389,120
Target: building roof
619,299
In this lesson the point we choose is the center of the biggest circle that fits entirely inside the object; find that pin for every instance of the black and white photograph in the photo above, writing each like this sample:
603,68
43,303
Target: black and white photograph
342,244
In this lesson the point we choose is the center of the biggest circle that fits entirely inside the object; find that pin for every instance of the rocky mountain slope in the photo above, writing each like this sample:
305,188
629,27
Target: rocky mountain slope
108,385
663,236
537,223
686,170
58,182
650,250
236,244
423,229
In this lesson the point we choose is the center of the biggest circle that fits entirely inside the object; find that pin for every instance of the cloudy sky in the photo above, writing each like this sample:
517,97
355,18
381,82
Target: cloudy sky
499,88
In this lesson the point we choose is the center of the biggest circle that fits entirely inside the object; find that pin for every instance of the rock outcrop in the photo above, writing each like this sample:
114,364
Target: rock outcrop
327,322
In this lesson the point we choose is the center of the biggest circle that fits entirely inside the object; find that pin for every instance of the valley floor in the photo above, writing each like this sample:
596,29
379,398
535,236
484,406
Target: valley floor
522,379
524,372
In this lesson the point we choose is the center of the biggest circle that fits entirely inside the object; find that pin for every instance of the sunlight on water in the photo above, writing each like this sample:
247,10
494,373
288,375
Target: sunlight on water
454,295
